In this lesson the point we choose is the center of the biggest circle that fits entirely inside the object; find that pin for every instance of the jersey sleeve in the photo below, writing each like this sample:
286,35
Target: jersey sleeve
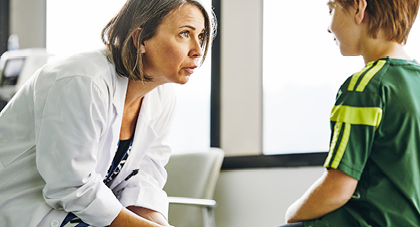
354,119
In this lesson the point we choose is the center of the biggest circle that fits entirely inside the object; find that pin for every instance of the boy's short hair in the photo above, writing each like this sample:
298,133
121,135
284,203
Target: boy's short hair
394,17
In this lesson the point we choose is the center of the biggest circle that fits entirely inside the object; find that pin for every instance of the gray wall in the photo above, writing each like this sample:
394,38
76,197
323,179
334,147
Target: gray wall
28,21
260,197
241,77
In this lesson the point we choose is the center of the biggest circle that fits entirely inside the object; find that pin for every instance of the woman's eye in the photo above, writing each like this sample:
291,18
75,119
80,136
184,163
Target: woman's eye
201,37
185,34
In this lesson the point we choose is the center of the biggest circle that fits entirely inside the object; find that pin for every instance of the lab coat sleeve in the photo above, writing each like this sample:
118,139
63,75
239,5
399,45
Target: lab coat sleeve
146,188
71,116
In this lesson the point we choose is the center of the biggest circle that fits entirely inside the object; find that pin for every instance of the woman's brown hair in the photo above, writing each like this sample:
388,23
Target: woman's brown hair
147,15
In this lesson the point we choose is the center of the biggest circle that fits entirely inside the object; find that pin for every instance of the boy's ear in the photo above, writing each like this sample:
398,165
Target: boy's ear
135,37
361,6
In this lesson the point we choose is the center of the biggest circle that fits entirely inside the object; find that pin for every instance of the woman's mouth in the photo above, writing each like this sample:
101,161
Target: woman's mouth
190,70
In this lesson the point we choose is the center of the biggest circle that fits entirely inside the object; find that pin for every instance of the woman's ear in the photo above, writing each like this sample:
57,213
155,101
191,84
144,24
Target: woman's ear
361,6
136,41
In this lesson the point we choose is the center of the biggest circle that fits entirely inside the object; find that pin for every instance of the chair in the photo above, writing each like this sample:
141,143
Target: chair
191,183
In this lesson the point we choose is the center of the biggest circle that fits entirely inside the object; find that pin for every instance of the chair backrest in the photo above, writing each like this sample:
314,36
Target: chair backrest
192,175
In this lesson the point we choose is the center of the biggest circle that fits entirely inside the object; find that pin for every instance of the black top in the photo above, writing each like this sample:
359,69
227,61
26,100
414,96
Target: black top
119,160
121,151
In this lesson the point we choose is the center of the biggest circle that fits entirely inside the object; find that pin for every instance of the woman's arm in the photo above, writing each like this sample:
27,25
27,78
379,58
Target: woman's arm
327,194
126,218
150,215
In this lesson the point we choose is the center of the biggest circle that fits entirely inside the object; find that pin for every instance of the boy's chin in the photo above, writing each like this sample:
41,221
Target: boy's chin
348,53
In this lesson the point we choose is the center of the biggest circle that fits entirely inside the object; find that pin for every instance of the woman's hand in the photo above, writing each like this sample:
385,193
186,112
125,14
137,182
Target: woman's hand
150,215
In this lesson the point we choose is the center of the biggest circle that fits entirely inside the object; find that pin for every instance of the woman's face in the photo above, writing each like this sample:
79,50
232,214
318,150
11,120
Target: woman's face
173,53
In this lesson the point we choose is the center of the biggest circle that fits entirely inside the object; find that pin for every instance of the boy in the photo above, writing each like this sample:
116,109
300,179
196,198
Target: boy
373,166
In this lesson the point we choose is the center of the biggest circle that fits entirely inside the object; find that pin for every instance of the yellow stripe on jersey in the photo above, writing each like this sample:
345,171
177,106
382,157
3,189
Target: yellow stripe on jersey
342,146
356,76
369,75
336,133
357,115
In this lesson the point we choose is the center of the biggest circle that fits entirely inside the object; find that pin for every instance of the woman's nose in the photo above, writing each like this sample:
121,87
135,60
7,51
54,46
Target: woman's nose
329,30
196,50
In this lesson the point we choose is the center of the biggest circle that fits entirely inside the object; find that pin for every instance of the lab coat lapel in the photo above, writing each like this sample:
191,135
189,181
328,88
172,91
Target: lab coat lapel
144,135
120,89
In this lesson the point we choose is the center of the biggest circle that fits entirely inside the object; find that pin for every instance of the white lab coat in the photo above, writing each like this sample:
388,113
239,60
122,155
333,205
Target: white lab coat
58,136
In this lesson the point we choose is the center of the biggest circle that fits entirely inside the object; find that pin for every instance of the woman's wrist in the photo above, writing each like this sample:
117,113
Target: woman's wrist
150,215
126,218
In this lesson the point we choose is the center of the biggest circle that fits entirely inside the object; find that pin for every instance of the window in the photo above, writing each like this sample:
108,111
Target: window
191,128
302,71
75,26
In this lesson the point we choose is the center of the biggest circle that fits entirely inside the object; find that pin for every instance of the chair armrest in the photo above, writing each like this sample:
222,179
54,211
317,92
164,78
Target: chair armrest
192,201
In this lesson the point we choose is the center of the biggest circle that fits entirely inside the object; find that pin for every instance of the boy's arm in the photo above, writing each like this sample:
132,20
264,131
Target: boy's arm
331,191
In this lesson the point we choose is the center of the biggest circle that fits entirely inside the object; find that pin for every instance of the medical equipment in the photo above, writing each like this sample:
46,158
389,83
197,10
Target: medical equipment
16,67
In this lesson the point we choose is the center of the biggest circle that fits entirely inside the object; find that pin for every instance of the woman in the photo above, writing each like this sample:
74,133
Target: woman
84,142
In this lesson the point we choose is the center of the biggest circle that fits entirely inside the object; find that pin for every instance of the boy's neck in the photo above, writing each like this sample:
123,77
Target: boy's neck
374,49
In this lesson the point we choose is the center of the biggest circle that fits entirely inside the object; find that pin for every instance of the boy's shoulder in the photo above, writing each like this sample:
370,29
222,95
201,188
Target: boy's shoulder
380,72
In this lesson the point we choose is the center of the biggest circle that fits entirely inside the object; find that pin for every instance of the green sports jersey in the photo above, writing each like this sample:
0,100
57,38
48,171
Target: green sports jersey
376,139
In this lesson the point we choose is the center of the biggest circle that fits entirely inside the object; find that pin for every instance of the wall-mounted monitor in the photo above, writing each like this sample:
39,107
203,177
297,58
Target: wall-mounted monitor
12,69
17,67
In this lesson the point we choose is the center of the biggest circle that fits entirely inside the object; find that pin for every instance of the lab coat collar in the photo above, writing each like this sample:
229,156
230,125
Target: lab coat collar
120,91
145,134
151,106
